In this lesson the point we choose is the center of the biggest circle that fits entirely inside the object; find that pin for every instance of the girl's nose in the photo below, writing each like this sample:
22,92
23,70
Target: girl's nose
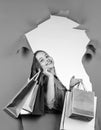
47,59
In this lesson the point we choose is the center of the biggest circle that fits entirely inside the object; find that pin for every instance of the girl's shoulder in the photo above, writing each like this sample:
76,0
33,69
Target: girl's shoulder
59,84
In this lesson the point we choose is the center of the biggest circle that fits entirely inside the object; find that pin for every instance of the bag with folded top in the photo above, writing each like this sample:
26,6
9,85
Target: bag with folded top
81,103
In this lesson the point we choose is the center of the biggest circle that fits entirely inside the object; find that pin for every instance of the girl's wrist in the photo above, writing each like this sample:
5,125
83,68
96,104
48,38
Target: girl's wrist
51,76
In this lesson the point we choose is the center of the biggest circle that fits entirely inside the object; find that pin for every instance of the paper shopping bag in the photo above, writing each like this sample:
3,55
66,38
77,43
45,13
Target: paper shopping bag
24,100
81,104
16,105
34,104
68,123
30,100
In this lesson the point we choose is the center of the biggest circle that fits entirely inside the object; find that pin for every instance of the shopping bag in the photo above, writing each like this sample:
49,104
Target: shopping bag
35,106
25,99
81,104
68,123
28,106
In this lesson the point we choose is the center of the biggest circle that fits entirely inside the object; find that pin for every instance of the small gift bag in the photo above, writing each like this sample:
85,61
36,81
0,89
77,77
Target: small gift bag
81,103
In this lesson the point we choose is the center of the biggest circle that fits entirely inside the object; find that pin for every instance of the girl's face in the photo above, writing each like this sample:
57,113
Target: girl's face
45,60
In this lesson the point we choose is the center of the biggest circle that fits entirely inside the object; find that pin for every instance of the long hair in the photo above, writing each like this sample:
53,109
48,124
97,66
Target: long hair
36,67
43,79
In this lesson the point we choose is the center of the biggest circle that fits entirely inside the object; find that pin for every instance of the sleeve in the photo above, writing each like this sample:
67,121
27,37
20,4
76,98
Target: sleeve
57,103
60,91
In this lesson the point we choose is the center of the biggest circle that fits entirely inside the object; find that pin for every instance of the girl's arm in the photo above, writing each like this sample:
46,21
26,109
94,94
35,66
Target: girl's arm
50,95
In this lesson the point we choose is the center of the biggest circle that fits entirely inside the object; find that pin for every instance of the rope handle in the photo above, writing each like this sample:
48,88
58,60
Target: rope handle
35,77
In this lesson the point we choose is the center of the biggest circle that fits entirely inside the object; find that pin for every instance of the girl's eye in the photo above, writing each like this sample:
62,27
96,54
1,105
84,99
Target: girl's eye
41,60
47,56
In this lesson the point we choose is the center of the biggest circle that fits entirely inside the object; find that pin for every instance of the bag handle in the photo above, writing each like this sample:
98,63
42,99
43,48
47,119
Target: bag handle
82,84
76,84
35,77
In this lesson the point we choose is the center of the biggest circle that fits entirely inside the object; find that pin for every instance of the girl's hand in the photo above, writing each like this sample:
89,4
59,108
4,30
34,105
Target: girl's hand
74,81
47,72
